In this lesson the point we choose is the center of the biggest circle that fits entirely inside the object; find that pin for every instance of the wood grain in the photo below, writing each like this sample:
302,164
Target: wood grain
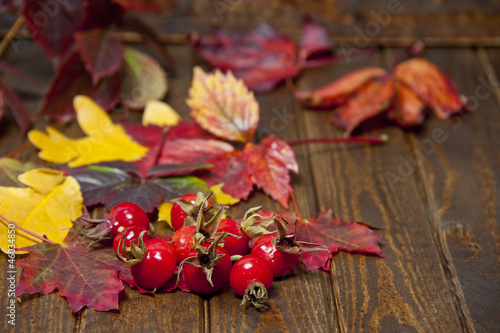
439,223
376,294
461,178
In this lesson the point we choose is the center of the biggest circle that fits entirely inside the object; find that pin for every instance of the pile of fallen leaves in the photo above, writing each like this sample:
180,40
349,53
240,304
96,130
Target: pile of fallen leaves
165,157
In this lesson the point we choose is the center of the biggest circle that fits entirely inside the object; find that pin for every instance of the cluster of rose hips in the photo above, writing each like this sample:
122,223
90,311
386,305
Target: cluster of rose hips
203,247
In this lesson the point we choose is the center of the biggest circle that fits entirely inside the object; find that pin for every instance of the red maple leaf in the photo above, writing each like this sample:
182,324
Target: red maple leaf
265,164
86,277
262,57
404,93
328,229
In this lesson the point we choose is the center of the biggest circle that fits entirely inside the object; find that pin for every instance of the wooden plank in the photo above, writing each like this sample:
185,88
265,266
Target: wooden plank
409,289
357,24
461,176
300,303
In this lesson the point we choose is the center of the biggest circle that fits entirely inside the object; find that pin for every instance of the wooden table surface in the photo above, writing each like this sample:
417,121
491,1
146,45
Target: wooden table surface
440,219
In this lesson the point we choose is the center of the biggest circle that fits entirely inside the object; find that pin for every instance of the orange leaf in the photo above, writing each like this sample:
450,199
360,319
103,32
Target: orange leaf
431,85
223,105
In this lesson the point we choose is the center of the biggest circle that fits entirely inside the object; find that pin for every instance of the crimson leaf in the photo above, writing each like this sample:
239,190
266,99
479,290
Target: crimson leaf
53,23
86,277
101,53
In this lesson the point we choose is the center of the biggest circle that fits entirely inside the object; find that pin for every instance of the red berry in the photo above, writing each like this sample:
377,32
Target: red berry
250,277
157,266
281,263
183,242
131,236
196,279
178,215
233,245
127,214
248,270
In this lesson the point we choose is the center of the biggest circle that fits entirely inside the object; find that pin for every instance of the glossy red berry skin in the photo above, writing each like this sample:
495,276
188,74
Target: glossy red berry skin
157,266
131,236
233,245
281,263
250,270
196,279
178,215
183,242
127,214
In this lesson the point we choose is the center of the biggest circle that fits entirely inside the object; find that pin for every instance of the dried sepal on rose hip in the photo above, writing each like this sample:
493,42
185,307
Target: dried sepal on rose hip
187,237
122,216
251,277
185,209
207,269
255,224
282,251
238,241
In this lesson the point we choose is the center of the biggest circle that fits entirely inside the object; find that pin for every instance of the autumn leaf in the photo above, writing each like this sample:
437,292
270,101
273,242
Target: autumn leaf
47,207
100,14
431,85
328,229
101,53
105,141
315,45
160,114
110,183
9,98
72,79
262,58
403,94
265,164
222,105
85,276
144,79
54,32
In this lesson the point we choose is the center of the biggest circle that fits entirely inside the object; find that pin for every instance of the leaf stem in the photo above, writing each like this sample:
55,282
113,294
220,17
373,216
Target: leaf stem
11,33
296,205
371,140
27,231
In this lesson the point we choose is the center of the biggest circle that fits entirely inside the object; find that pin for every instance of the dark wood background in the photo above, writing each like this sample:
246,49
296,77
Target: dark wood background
440,222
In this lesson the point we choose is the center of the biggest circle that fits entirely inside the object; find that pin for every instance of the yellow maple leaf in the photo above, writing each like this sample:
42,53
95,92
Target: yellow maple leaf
47,207
105,140
160,114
